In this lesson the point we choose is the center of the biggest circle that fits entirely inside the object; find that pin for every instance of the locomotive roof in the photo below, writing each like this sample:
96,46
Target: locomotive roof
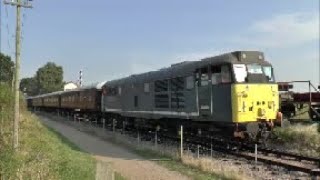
187,67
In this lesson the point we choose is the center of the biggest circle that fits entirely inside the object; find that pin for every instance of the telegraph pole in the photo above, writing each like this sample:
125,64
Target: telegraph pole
19,4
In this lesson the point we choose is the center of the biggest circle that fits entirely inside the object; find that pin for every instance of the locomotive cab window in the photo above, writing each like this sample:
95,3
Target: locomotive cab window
204,77
225,74
240,72
268,71
220,74
253,73
216,74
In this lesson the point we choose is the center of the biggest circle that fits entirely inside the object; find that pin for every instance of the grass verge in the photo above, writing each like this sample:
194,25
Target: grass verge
301,139
43,153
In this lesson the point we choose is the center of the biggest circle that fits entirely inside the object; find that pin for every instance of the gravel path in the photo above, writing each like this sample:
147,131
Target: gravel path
129,165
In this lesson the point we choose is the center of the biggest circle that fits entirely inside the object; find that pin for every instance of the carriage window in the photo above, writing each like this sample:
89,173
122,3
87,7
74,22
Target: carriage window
189,82
204,77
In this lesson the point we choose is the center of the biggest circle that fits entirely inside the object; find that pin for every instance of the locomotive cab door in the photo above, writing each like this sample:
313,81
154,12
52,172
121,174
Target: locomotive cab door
204,92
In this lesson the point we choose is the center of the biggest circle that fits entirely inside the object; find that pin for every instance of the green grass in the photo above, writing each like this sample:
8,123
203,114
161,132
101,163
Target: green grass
43,153
118,176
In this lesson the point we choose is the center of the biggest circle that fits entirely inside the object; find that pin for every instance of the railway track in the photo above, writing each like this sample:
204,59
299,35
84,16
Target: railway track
290,161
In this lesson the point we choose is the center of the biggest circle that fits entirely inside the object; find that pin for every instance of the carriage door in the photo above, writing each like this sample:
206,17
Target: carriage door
204,95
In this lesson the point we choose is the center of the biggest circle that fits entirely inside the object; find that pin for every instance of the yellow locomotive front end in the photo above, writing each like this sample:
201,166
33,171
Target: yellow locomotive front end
254,97
254,102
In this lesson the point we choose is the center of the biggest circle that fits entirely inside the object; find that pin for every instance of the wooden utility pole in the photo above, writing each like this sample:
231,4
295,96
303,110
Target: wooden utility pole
18,4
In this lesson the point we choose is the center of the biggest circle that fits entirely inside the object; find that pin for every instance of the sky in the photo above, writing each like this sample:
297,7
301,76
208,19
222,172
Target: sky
112,39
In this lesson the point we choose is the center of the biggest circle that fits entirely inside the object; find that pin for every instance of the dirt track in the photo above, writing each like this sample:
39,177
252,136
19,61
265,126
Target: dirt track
129,165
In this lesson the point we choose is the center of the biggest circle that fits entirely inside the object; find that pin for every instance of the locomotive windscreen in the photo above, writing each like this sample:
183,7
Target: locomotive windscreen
253,73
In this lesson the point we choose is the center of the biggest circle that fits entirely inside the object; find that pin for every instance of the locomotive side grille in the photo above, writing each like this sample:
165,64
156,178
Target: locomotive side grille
162,101
161,86
177,94
177,100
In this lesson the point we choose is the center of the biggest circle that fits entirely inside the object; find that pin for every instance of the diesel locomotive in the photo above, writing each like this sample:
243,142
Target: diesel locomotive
233,93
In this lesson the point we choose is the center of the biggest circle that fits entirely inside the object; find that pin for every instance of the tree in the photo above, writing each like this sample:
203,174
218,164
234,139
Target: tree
6,69
49,78
29,86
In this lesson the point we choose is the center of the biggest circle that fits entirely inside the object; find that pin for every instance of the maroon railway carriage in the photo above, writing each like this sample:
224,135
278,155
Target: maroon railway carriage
51,100
83,99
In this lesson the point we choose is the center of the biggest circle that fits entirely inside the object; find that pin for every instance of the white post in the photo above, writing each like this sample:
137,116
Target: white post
256,154
198,151
113,125
181,141
103,123
123,126
156,139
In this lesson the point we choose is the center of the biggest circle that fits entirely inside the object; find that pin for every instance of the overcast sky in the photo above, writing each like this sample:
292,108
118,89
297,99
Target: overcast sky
111,39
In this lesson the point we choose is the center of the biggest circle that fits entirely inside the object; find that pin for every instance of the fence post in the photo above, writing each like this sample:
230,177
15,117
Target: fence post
198,151
156,139
113,125
181,141
123,126
256,154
